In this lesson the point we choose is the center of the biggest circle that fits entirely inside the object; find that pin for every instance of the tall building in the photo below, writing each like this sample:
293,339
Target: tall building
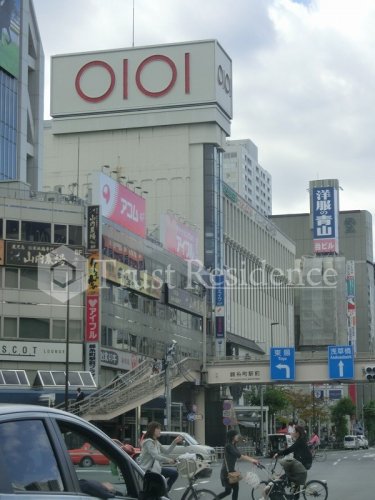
243,173
21,94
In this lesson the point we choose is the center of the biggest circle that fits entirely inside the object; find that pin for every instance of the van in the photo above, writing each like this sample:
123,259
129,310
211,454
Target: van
351,442
278,442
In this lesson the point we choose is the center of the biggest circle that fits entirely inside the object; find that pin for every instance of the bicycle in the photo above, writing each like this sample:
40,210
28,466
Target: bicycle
281,488
318,454
193,469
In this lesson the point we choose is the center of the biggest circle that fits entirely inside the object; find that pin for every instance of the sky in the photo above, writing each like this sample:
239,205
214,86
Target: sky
303,77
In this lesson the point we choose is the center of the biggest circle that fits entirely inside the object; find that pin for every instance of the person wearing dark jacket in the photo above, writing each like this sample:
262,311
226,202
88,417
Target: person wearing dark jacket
231,455
301,453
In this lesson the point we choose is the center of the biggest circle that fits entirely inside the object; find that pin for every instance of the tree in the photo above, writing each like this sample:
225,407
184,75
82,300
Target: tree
304,406
273,398
369,414
343,408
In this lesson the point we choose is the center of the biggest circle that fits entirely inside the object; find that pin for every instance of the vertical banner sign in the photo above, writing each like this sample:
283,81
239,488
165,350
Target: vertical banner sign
325,220
351,305
93,227
219,307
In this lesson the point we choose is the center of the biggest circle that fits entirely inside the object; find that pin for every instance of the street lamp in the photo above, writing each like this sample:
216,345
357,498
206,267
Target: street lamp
171,351
272,325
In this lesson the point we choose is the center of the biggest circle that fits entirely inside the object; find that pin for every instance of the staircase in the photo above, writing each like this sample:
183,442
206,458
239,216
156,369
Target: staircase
133,389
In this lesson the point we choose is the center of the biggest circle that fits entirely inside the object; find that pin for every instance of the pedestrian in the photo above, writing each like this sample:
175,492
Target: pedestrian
80,395
231,455
153,454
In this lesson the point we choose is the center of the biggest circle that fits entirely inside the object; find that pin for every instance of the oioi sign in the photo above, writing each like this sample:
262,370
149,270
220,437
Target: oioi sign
195,73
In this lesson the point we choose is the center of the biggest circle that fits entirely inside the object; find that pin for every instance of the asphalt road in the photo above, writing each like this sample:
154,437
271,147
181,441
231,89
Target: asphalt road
349,475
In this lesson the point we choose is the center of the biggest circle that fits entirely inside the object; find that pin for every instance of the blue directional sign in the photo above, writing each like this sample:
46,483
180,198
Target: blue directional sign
282,363
340,362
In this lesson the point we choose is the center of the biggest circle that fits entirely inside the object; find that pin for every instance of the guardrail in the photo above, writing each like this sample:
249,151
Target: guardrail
244,449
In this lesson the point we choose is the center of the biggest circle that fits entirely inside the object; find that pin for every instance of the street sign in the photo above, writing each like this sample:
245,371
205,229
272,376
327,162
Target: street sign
340,362
282,363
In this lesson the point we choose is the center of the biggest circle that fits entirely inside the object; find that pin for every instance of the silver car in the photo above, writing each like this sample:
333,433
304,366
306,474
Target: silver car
38,447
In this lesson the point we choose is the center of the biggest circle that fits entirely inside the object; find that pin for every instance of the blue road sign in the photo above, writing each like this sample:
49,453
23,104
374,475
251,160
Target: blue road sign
282,363
340,362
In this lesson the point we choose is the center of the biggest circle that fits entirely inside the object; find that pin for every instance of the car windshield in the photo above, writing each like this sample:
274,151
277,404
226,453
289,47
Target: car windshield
349,438
192,440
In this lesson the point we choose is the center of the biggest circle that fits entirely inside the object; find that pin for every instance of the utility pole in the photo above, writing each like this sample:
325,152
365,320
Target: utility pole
171,351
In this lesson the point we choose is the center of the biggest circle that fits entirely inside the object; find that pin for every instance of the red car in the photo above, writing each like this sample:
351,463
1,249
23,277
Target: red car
87,455
128,448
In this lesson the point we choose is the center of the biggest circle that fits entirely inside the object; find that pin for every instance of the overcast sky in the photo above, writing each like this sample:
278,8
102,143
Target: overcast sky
303,77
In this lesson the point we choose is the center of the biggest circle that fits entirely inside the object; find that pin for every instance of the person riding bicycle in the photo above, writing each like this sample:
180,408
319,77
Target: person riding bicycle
296,470
314,440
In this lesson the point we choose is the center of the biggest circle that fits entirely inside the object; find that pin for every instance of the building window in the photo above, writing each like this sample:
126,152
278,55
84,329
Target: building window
75,329
1,228
34,328
10,328
36,231
59,233
29,279
11,277
58,329
12,230
75,235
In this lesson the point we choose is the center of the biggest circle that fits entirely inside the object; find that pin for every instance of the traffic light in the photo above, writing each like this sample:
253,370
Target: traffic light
370,373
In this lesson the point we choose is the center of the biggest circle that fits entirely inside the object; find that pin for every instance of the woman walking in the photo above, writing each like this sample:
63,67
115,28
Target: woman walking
153,454
231,455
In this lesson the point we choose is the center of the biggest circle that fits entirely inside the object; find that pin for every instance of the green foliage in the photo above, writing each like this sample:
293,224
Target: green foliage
343,408
369,415
273,397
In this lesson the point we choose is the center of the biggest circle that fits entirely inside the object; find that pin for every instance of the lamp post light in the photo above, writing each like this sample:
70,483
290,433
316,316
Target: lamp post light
68,271
171,351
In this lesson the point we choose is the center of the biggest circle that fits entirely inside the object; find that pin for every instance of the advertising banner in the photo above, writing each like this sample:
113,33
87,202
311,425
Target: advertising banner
42,352
92,318
120,205
29,254
351,304
325,217
10,28
93,225
120,360
178,238
92,359
93,274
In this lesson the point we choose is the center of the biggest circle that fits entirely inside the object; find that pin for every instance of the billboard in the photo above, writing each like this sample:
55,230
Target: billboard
325,215
351,304
178,238
10,27
120,205
173,75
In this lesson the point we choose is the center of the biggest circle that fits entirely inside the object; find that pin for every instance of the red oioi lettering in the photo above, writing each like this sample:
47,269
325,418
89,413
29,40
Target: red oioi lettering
137,77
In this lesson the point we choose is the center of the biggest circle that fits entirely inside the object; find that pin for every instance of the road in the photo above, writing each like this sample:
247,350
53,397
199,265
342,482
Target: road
349,475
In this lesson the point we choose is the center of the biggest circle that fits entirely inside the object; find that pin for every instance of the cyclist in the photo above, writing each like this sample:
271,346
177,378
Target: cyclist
314,440
297,472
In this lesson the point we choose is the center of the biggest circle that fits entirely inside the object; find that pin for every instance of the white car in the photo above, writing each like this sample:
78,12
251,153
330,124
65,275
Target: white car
188,445
362,441
351,442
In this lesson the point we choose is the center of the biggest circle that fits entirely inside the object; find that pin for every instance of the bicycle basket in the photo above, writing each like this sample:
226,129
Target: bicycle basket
190,467
252,479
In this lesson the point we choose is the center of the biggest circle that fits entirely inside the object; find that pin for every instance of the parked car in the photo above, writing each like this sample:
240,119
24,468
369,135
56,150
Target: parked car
278,442
131,450
44,468
362,441
188,445
351,442
87,456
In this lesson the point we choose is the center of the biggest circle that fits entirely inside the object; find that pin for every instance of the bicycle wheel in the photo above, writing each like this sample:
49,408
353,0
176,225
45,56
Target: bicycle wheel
260,492
201,494
315,489
320,455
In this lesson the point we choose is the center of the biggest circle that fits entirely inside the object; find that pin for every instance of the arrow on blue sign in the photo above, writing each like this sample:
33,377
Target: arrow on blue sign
282,363
340,362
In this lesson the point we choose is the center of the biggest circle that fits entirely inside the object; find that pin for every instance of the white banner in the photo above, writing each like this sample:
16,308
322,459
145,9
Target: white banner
47,352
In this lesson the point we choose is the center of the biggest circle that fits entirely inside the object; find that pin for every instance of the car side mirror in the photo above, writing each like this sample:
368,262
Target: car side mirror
154,486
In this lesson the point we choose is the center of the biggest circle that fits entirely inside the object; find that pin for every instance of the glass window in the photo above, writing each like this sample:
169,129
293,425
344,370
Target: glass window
10,327
58,329
12,230
28,279
36,231
11,277
34,328
59,233
75,329
29,468
1,228
75,235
